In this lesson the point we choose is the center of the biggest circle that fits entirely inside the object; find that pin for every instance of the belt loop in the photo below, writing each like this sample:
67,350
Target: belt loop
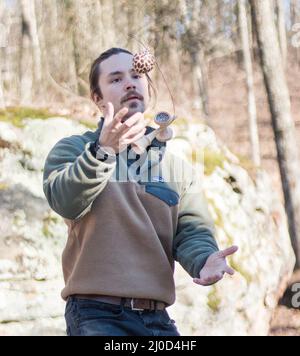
155,305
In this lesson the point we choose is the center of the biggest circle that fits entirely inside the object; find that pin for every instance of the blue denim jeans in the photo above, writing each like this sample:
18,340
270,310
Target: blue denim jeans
85,317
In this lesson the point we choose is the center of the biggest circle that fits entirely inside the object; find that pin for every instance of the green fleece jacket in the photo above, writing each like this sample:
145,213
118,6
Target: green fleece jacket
129,218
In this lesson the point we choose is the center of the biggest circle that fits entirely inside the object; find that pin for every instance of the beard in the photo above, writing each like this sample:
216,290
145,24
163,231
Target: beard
134,106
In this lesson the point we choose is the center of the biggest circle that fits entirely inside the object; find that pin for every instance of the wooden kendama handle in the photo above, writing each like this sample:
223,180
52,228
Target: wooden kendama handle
165,134
140,145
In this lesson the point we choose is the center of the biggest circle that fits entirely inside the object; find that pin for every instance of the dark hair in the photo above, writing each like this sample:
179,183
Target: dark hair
95,73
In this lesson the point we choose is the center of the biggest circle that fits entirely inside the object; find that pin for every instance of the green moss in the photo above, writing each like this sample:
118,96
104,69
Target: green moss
181,121
16,115
47,222
238,268
3,186
230,239
219,220
248,165
89,124
212,160
46,231
214,300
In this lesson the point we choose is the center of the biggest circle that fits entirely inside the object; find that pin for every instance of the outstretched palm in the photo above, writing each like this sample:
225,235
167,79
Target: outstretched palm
215,267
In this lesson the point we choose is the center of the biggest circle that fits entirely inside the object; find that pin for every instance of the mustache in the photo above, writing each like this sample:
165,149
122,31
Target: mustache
132,94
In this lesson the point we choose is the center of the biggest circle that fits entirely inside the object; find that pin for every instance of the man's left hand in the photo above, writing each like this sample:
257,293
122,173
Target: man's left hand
216,267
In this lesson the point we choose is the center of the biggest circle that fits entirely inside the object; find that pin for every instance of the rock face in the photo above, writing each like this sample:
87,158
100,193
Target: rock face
246,212
32,237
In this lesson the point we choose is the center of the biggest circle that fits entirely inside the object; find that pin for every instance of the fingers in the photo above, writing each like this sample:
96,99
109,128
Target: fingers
135,138
108,113
135,130
228,252
229,271
120,127
205,282
117,121
117,131
200,282
132,126
215,278
132,121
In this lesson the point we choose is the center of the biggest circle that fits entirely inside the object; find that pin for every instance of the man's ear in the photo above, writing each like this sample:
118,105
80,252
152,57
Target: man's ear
98,101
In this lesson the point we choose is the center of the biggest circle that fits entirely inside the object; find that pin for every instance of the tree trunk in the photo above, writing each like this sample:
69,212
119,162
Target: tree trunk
294,9
244,32
283,124
3,44
200,82
72,45
29,16
26,65
197,54
281,29
31,44
109,35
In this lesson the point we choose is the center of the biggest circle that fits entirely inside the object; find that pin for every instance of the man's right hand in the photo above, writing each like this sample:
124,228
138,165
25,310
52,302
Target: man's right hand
117,135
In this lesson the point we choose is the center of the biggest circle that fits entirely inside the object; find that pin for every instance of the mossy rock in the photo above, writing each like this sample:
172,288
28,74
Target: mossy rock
48,221
219,221
212,160
248,165
239,269
17,115
3,186
214,300
89,124
209,158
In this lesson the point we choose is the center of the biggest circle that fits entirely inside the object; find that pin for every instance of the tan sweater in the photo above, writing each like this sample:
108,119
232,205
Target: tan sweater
124,235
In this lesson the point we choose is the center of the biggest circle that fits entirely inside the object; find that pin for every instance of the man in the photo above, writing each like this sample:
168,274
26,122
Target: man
126,226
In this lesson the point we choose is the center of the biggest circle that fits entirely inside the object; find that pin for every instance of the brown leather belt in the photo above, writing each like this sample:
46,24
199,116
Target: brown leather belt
132,303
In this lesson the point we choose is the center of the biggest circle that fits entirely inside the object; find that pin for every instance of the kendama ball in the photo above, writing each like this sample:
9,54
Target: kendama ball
143,62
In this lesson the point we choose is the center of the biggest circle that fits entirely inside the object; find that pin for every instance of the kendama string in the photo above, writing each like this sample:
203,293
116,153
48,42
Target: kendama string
143,62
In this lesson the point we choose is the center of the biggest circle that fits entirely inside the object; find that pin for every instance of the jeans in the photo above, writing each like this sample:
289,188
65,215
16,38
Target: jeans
85,317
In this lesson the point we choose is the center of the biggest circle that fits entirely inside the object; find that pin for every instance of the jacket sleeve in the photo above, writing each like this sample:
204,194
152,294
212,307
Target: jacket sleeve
73,177
194,241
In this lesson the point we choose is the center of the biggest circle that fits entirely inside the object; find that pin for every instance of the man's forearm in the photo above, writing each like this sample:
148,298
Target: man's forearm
71,183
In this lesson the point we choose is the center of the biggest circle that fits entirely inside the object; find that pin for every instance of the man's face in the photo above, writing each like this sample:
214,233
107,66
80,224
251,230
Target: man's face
119,82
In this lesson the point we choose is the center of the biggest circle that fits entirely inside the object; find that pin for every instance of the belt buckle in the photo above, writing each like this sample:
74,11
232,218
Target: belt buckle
132,306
